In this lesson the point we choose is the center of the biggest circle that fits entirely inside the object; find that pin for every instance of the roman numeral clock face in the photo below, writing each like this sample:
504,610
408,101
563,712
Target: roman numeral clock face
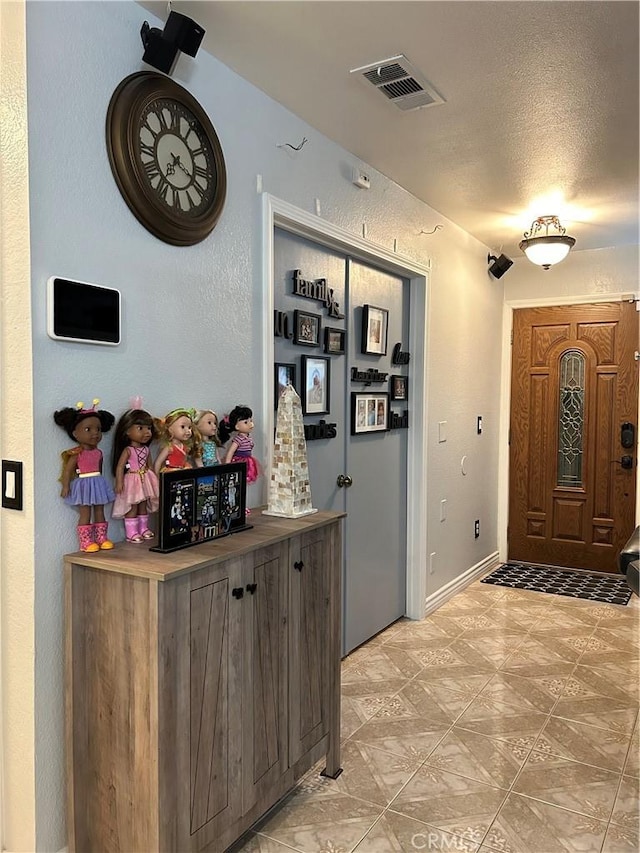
177,159
166,158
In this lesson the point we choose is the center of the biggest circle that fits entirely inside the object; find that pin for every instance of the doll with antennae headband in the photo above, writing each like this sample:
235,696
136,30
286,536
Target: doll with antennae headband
237,426
83,485
137,490
206,422
180,440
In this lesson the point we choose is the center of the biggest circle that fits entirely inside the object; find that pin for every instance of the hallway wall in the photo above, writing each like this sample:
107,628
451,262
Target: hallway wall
191,323
595,272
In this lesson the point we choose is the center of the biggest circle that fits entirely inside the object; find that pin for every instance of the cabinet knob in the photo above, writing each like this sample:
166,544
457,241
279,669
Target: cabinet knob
238,592
299,566
251,587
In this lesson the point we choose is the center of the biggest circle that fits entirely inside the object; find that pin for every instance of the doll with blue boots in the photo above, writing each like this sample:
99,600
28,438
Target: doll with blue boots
83,485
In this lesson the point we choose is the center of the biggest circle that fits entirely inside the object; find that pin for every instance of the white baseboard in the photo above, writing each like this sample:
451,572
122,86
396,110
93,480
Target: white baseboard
458,584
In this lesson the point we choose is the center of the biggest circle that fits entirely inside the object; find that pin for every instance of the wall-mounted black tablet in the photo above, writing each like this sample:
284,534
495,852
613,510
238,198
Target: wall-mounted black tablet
86,313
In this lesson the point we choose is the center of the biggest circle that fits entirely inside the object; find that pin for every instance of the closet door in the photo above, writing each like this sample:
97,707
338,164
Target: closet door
326,455
363,474
376,530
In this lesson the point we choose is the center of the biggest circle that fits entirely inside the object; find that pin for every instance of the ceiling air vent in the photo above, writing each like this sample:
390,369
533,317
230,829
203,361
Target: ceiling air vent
400,82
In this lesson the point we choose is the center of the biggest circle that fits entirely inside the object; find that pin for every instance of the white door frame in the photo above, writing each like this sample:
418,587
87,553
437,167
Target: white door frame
505,396
281,214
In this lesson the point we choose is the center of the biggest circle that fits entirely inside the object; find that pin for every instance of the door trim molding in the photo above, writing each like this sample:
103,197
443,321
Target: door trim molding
505,395
277,213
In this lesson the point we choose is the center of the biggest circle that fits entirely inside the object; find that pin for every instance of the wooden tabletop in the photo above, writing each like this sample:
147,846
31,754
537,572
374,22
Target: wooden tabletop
139,561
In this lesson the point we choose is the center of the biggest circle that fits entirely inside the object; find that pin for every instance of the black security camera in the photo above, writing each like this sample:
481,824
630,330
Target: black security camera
499,266
161,47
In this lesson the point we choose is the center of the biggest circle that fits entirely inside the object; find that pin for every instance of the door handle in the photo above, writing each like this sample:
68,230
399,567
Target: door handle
298,566
627,462
344,480
251,587
238,592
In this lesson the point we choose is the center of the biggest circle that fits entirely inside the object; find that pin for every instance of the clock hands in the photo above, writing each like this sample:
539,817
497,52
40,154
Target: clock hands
176,162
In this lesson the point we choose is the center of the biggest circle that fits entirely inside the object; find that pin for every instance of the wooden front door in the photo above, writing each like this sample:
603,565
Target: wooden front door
572,480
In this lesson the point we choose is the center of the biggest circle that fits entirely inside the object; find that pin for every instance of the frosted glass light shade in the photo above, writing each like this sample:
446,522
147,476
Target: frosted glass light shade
546,249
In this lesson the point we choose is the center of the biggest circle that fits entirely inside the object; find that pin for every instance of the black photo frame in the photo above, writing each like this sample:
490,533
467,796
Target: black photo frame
334,341
375,328
399,387
316,384
306,328
198,505
369,412
284,374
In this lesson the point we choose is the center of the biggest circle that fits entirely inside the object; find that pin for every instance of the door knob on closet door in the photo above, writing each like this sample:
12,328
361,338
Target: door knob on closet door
344,480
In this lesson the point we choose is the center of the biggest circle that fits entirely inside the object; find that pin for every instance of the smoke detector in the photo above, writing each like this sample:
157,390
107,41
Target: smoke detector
400,82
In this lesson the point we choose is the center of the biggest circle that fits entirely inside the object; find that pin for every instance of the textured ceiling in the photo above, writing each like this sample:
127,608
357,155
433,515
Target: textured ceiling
541,112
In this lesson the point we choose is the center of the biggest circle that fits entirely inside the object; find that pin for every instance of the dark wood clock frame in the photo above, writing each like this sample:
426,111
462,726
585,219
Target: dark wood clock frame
129,102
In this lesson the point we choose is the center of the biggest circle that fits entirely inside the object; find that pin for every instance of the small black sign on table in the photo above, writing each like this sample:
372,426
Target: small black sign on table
201,504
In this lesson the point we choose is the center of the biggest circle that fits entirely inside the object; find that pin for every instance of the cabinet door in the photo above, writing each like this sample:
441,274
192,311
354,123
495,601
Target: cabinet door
208,697
309,640
264,754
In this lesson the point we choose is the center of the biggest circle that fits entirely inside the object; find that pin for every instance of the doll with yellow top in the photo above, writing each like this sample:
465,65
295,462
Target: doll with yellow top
206,422
180,441
83,485
137,490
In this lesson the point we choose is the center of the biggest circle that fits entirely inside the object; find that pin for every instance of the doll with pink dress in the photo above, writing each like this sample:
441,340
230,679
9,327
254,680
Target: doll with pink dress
137,490
180,441
237,426
83,485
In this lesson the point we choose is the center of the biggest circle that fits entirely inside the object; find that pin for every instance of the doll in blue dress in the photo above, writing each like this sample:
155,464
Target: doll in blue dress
206,421
83,485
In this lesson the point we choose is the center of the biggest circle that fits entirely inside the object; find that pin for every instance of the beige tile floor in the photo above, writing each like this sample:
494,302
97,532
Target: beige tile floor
505,721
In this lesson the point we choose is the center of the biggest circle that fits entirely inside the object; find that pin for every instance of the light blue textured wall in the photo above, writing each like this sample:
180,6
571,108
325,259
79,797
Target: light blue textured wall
191,330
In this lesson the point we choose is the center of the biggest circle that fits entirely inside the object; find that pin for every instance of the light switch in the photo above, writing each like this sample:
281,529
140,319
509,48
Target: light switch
11,484
442,431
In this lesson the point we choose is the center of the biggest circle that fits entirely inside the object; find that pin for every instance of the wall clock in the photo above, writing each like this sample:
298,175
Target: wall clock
166,158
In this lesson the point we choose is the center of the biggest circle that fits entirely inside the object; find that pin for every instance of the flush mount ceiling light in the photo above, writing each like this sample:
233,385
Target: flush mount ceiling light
544,248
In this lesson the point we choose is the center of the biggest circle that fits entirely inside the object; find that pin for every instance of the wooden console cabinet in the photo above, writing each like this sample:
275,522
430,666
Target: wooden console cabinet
200,684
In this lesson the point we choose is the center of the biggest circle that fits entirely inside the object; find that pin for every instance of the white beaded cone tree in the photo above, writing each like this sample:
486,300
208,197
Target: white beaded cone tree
289,489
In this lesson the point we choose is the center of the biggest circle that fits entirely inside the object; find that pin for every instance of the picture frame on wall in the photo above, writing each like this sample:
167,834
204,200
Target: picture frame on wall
306,328
375,326
334,341
399,387
284,374
369,412
316,385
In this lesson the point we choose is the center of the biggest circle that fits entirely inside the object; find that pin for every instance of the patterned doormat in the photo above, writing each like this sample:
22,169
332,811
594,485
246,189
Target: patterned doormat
577,584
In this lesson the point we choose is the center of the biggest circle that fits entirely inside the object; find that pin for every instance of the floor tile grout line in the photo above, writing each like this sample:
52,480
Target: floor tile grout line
430,825
604,821
278,841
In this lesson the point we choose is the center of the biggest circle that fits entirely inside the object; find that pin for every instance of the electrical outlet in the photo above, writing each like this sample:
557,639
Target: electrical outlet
476,528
